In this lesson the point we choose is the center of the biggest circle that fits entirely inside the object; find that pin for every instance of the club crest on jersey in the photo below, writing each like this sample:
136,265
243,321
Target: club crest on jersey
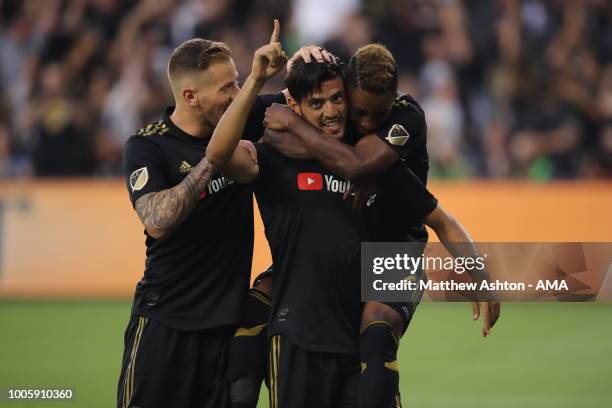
139,179
397,135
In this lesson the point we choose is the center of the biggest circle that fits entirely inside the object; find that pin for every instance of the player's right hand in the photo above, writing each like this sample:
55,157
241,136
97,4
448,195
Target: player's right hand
270,58
279,117
309,53
491,311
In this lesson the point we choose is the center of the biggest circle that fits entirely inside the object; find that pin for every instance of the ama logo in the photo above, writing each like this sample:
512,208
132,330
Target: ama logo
310,181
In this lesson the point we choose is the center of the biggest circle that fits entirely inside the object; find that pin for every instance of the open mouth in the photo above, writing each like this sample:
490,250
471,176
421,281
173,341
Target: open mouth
333,126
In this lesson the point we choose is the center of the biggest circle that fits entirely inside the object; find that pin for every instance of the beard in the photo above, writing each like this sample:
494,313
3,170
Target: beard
208,121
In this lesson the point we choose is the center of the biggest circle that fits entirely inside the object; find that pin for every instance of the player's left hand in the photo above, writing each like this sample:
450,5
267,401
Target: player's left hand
270,58
491,311
278,117
309,53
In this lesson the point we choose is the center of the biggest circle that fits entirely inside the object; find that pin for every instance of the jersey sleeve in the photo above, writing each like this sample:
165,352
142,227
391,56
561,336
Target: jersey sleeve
405,129
143,167
266,161
253,130
272,164
417,202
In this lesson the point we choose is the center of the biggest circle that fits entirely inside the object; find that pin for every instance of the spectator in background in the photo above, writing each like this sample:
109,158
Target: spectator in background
316,21
11,165
601,166
357,30
478,63
445,121
138,92
545,137
61,134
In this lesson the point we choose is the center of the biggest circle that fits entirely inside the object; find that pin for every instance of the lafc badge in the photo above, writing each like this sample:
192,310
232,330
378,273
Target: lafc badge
397,135
139,179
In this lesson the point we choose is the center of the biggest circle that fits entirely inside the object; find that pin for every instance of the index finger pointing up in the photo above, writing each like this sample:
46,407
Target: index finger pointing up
275,33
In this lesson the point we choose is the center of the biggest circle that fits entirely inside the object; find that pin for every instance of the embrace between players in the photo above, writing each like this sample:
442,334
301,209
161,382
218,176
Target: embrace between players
198,337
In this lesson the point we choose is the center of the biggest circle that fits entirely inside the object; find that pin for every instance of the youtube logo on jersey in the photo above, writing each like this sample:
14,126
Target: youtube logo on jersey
310,181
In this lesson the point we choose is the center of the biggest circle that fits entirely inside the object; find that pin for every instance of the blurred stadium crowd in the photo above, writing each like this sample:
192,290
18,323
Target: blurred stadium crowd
511,88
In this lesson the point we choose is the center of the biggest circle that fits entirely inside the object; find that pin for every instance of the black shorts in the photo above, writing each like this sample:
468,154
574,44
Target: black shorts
163,367
405,309
268,273
301,378
408,308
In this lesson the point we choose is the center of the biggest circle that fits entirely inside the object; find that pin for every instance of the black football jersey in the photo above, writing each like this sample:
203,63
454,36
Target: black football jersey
405,131
402,199
314,237
396,212
196,276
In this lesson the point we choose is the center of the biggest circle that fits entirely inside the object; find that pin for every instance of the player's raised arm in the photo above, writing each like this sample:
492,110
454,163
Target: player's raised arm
267,62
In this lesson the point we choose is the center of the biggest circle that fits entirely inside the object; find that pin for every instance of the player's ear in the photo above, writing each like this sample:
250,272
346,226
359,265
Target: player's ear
293,104
189,97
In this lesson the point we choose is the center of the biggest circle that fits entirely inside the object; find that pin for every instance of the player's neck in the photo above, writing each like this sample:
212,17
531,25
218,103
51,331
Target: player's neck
190,124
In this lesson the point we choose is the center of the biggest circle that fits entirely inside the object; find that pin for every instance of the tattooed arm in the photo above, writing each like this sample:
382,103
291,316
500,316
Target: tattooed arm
163,210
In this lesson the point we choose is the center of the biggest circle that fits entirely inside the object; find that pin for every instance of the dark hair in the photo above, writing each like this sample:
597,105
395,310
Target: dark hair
373,69
305,78
196,54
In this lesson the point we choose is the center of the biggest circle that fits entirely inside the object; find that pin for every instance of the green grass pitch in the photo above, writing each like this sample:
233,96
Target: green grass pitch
541,355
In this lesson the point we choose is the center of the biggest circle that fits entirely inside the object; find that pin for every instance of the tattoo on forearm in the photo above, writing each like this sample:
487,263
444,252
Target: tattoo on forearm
198,178
165,209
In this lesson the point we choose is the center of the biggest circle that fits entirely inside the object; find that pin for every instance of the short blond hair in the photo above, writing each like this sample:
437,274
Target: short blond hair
373,69
196,54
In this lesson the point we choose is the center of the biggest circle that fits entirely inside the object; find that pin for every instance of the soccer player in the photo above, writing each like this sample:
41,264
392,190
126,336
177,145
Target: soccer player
248,349
199,236
392,145
314,237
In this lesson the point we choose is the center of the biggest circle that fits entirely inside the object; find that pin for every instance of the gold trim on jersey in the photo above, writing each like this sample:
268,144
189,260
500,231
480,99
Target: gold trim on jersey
392,365
249,332
128,381
157,128
274,360
260,296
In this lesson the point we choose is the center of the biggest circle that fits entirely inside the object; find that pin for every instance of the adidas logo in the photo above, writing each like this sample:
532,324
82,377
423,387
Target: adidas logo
185,167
